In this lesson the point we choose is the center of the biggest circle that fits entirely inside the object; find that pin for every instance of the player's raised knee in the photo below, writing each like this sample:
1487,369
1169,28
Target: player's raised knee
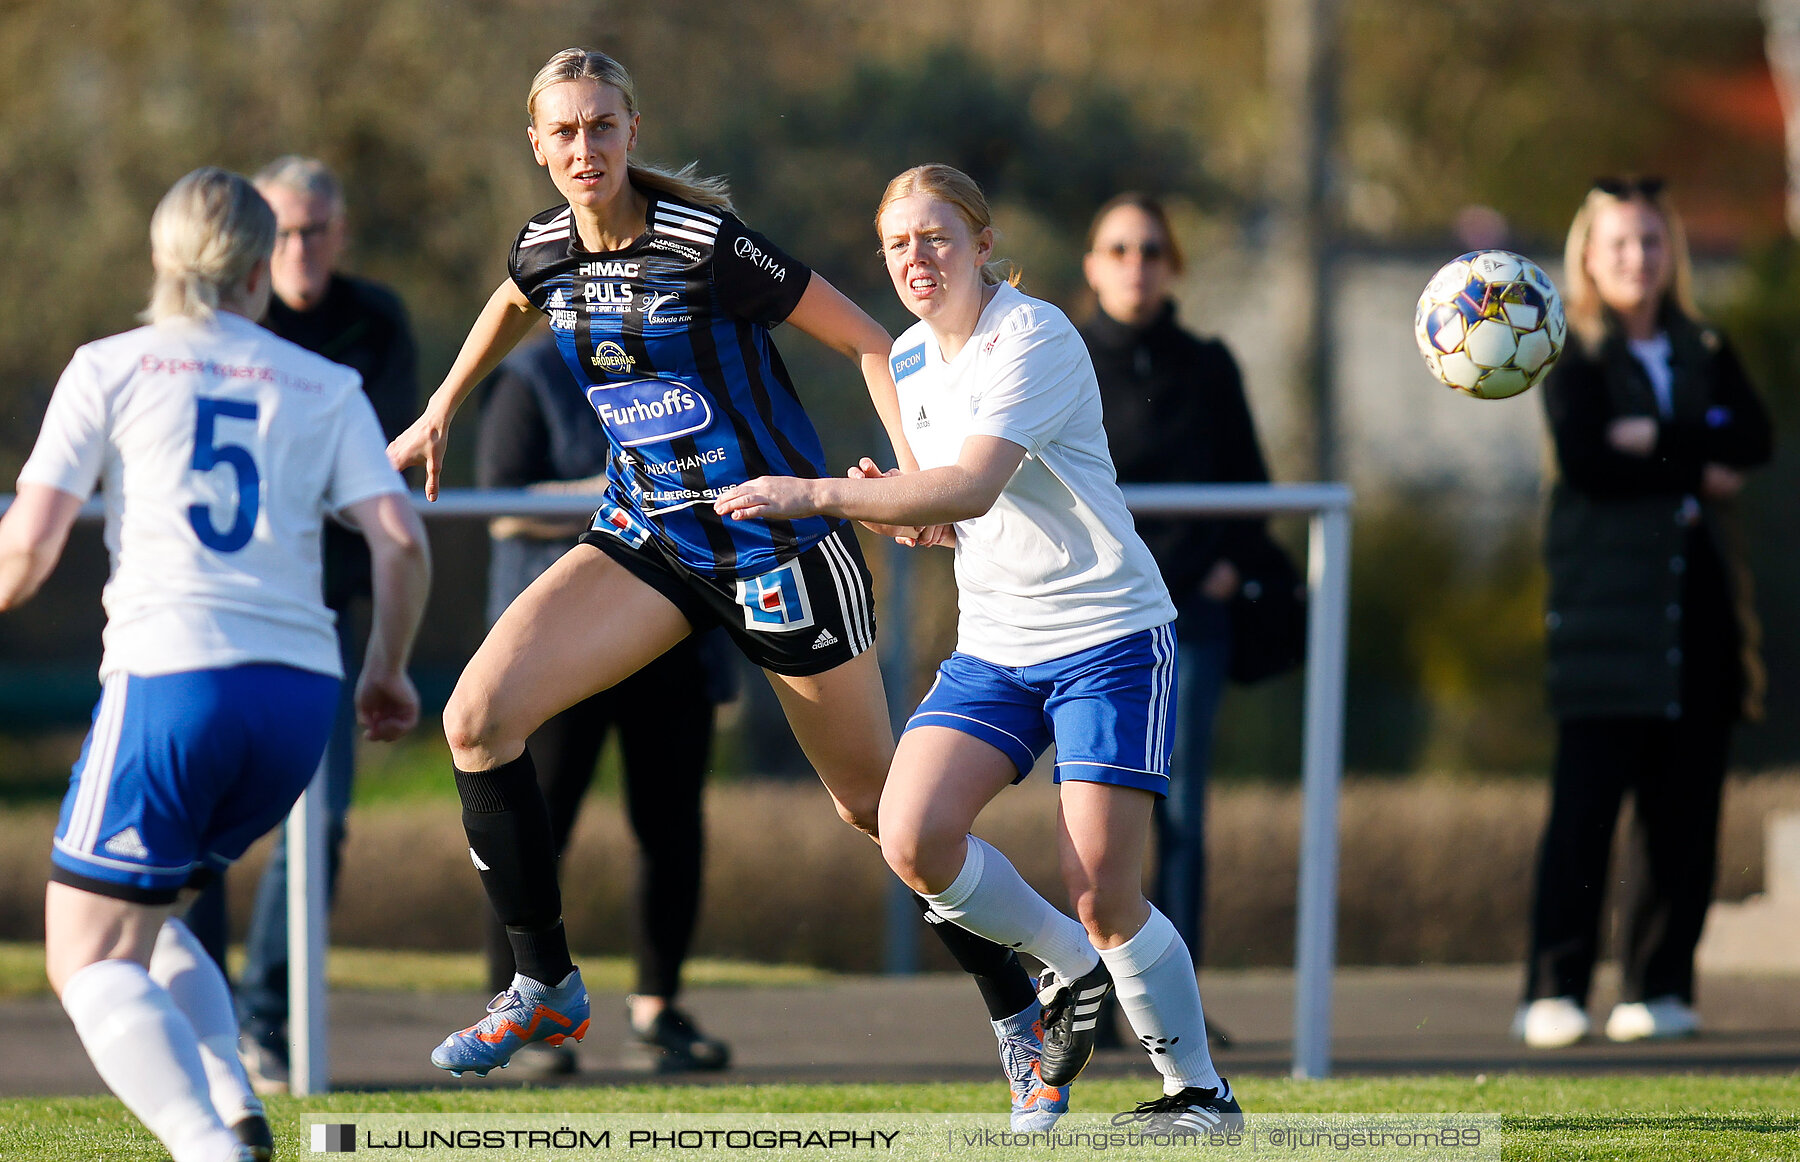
925,861
1109,912
472,731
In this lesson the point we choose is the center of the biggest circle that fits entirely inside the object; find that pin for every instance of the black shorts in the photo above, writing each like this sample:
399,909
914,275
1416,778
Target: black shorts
808,615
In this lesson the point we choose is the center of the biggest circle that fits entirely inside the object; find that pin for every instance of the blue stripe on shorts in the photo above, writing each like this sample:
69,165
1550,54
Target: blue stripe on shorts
1109,709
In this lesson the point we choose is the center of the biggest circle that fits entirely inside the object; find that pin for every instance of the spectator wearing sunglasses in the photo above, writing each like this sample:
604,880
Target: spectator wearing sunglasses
1651,639
1175,413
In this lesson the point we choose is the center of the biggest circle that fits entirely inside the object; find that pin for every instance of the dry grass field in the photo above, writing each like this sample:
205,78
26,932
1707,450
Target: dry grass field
1434,870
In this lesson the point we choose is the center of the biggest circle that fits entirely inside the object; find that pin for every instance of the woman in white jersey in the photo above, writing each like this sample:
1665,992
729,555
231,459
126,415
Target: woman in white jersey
1064,636
221,449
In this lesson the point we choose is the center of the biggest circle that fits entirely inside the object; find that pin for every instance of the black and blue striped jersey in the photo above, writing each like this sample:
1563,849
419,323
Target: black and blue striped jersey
669,338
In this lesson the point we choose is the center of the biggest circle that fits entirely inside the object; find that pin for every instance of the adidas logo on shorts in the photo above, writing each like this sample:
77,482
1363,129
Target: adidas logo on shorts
825,638
127,843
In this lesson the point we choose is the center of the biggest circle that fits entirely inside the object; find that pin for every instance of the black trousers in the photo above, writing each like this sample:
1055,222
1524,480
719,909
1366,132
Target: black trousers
1674,771
664,717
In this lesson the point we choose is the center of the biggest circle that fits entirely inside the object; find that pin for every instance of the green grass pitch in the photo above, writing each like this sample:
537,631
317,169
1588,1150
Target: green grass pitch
1589,1118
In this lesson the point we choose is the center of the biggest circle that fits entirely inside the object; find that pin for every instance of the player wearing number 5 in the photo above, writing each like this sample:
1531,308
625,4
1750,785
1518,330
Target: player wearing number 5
220,450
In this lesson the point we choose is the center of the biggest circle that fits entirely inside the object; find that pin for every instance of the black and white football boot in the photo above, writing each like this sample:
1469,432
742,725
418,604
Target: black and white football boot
1194,1112
1071,1021
253,1131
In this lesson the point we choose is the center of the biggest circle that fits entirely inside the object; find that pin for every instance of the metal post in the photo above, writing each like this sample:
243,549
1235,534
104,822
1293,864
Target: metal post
309,1067
901,952
1315,935
1328,583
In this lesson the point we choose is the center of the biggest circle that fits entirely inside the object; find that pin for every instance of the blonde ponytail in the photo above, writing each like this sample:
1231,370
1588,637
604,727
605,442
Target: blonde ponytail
207,233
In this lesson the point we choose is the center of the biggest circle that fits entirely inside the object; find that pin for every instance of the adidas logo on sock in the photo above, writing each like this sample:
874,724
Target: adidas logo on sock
128,844
825,638
476,860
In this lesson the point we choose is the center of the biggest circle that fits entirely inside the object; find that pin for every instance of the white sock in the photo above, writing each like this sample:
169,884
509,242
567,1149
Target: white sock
147,1054
198,989
1153,975
991,899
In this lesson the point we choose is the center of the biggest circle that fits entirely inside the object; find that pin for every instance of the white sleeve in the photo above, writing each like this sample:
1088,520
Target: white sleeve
1033,385
361,467
71,445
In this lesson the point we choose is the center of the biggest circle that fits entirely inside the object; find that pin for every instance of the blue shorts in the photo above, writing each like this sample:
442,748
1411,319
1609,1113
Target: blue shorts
1108,709
182,772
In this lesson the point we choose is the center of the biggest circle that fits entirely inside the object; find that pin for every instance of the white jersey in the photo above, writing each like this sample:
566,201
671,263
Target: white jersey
1056,566
221,449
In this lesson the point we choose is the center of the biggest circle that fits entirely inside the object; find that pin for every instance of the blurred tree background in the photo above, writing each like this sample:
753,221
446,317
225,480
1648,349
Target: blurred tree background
1459,108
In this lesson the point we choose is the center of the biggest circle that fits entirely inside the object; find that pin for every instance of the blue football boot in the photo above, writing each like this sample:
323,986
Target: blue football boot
528,1012
1035,1105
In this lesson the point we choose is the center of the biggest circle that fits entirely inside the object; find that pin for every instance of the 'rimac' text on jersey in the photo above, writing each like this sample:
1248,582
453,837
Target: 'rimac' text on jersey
670,339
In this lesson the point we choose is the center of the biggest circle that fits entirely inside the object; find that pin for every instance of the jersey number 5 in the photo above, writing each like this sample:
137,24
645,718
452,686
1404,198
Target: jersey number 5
207,453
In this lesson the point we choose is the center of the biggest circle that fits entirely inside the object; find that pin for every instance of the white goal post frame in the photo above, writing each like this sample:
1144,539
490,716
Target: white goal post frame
1327,633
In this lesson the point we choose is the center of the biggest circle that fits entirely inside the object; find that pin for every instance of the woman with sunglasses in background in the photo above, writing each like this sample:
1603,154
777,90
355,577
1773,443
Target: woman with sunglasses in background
1650,635
1175,413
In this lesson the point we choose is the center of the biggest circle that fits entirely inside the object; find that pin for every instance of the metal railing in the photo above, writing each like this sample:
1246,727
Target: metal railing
1328,585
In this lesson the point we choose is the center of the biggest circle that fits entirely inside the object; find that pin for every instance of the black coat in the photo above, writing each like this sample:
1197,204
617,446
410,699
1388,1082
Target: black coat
362,325
1176,414
1648,601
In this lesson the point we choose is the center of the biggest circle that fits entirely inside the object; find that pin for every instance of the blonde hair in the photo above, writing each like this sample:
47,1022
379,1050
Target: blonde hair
946,183
1581,298
586,64
206,235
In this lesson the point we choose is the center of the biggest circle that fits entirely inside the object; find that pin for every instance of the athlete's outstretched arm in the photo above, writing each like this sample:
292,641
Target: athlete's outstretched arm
824,313
935,496
32,535
505,320
387,704
922,537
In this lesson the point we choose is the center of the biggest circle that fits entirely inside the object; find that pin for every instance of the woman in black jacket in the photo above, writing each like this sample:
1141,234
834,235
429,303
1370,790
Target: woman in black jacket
1651,638
1175,413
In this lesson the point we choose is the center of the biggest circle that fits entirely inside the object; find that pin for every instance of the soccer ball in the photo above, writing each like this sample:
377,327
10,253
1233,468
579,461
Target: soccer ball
1490,324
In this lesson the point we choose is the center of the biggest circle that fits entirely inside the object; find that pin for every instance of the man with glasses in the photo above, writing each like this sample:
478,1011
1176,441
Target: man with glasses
363,325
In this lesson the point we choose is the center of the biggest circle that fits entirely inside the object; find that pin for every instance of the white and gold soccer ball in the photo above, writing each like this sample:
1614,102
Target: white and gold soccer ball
1490,324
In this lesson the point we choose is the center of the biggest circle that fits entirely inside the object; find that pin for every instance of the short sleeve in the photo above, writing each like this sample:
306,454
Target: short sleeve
360,469
71,445
540,245
1034,379
754,279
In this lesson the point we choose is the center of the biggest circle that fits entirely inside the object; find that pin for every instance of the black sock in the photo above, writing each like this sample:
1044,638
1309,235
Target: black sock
509,833
541,953
1005,987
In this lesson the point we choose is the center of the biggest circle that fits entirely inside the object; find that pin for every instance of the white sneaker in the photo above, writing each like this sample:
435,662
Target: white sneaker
1550,1023
1655,1019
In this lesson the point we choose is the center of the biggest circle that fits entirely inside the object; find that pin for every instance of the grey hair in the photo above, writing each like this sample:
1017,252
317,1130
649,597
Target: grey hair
206,235
303,175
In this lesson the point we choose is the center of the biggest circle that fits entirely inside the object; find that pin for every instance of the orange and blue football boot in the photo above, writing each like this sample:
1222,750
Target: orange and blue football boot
1035,1105
528,1012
